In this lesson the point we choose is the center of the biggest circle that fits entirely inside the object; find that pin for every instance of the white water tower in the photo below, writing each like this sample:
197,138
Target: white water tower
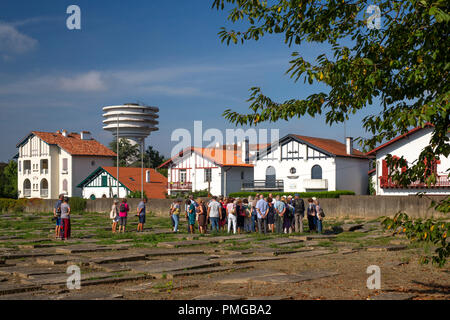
133,122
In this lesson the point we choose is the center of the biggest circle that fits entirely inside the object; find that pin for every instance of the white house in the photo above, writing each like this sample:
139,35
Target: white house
102,183
51,163
302,164
221,170
408,145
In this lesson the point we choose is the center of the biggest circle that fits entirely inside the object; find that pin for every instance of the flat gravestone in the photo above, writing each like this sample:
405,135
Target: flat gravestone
158,252
294,278
291,251
270,298
193,272
386,248
31,254
308,254
62,278
162,267
118,258
90,296
87,248
53,260
186,243
244,277
26,271
393,296
283,241
247,259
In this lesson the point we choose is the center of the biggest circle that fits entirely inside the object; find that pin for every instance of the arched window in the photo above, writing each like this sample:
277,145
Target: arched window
92,197
44,188
27,185
271,177
316,172
64,186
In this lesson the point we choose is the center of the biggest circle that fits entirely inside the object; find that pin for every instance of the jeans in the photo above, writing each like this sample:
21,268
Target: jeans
175,219
311,222
262,223
232,220
214,223
319,225
298,220
253,224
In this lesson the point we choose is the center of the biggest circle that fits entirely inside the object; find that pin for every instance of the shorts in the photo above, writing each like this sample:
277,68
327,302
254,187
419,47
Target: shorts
58,222
271,218
202,220
123,221
116,219
142,219
240,221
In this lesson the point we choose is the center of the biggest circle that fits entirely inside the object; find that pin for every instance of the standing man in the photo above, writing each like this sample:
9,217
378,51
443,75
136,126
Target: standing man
141,214
186,209
262,209
214,213
299,212
57,215
65,218
280,209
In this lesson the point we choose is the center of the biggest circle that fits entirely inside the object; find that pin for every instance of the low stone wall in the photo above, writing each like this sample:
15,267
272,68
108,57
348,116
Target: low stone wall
345,206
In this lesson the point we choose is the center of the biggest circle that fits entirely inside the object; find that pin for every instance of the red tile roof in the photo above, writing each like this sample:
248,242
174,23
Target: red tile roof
131,178
405,135
74,145
331,146
221,156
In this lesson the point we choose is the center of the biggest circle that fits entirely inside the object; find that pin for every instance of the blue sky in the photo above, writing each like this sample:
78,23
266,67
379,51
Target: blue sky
162,53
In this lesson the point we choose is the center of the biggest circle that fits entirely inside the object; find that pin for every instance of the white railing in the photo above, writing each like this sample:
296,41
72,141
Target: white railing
44,193
44,171
64,171
27,171
27,192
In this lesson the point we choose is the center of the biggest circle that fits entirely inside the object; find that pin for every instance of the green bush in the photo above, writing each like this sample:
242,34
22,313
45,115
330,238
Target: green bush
77,204
12,205
136,195
320,194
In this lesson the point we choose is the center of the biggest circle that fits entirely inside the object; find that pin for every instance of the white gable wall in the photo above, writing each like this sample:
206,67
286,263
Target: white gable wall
351,174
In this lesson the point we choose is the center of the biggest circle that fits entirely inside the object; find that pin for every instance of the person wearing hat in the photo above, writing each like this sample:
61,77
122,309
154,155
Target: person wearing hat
114,214
299,213
65,218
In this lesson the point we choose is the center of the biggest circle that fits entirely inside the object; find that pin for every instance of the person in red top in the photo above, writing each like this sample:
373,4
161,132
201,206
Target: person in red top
123,214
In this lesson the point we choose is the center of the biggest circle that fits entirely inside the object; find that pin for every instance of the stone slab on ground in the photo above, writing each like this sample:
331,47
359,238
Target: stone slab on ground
118,258
168,266
244,277
269,298
282,241
140,287
30,254
56,279
8,288
159,252
90,296
53,260
314,237
293,278
291,251
116,279
193,272
313,253
221,239
37,245
89,248
386,248
185,243
393,296
237,260
26,271
218,296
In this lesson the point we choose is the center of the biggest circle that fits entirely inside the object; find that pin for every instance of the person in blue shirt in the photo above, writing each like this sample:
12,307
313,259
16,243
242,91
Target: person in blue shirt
280,208
191,215
141,214
262,209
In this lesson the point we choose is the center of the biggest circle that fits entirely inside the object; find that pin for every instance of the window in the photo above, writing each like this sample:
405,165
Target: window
292,170
104,181
182,176
316,172
64,164
64,185
20,166
208,175
242,175
92,163
92,197
270,177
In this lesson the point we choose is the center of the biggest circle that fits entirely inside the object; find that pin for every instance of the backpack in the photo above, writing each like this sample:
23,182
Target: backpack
242,211
321,213
122,207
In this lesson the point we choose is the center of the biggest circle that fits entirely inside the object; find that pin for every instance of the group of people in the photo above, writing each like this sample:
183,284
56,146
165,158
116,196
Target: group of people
260,214
61,214
119,214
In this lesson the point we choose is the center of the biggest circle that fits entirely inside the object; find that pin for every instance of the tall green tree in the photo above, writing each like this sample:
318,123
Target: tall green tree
152,158
404,65
8,180
128,153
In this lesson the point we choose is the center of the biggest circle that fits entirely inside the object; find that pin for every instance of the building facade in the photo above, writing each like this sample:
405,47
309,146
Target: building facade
303,164
102,183
408,145
51,163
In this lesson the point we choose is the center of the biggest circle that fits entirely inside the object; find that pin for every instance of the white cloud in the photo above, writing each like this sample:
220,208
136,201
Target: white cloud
13,41
90,81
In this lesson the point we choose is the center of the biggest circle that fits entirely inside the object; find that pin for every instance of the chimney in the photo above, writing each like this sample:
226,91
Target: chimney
64,133
349,145
58,132
147,176
217,144
246,151
85,135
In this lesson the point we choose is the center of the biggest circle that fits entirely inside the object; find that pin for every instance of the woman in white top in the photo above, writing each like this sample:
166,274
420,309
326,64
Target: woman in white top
231,214
114,215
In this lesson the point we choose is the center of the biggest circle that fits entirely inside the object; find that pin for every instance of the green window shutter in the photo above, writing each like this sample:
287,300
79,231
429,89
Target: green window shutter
104,181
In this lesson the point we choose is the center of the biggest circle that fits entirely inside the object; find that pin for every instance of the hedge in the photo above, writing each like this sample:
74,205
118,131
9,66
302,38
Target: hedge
77,204
12,205
320,194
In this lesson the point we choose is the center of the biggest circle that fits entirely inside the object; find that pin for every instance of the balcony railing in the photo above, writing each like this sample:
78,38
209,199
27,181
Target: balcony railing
44,171
263,185
44,193
180,185
27,192
27,171
441,182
